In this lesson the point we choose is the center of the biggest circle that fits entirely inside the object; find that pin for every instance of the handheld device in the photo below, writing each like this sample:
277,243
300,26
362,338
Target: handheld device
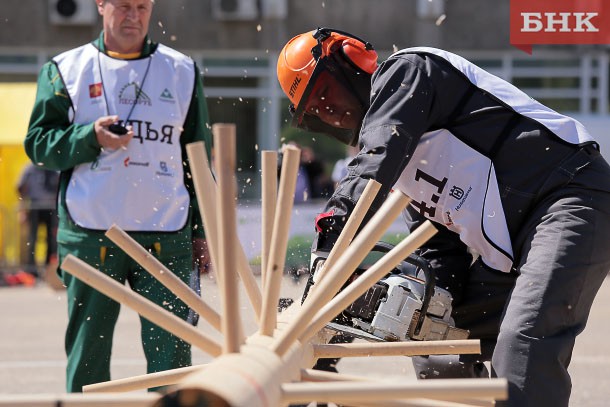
117,129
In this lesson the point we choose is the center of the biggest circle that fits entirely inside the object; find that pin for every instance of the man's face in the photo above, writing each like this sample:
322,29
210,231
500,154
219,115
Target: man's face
125,23
332,103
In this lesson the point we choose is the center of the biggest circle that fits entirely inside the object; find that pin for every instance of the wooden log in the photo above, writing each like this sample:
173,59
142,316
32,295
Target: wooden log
151,264
381,268
411,348
279,240
352,393
149,310
205,186
344,267
350,229
141,382
269,199
250,378
224,140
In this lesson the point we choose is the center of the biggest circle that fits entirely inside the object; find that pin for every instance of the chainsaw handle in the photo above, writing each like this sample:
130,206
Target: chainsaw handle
429,275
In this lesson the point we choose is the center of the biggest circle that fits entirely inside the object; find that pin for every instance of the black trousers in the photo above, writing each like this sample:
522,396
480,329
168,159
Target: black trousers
37,217
528,321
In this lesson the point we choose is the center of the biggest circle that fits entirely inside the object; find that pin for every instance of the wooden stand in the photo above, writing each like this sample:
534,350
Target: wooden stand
272,367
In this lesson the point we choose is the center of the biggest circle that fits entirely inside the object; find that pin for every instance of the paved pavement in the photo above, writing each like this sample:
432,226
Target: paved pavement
33,320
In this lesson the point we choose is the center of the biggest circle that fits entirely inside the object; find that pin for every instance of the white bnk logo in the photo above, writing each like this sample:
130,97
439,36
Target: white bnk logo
567,22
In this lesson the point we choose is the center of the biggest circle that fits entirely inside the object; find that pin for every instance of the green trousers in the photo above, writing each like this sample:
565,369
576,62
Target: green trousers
92,315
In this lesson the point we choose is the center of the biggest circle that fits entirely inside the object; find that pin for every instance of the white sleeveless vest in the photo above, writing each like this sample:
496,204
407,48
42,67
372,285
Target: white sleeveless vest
454,184
142,187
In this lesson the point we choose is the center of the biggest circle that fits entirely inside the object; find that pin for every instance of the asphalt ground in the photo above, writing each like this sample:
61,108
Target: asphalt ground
33,320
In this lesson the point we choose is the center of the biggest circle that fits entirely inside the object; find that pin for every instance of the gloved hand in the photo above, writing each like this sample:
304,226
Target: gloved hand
315,265
324,241
202,260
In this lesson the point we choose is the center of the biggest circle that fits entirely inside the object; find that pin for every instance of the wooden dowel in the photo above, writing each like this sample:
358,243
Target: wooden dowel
351,227
79,399
378,270
163,274
247,278
356,392
205,187
224,140
141,382
279,239
411,348
311,375
427,403
156,314
269,199
343,268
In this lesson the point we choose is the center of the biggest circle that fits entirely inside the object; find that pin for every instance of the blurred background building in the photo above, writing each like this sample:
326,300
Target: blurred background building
236,42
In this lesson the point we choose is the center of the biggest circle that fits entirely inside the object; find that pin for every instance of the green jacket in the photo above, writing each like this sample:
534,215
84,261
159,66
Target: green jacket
54,142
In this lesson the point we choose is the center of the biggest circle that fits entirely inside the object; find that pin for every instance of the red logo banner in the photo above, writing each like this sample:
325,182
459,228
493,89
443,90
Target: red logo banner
559,22
95,90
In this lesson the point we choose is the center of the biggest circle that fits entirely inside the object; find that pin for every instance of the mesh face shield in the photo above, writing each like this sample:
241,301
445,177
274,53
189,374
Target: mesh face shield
310,122
348,76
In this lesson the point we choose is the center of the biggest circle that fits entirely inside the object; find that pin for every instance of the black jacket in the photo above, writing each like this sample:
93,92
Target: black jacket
419,91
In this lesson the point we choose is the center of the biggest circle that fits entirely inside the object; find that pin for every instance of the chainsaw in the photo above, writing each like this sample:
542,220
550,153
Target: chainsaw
402,306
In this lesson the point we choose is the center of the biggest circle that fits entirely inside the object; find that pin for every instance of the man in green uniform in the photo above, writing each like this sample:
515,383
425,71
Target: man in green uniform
114,116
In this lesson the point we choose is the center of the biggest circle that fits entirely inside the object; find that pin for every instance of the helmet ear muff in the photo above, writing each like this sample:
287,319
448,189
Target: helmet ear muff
357,53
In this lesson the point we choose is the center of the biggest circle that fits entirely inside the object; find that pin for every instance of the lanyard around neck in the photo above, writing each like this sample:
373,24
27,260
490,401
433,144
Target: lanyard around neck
138,90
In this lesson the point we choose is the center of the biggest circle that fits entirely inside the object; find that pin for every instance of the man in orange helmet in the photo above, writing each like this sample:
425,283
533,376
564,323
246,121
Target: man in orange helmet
307,60
520,195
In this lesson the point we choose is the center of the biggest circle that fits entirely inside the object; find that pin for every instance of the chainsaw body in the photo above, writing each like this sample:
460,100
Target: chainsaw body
400,307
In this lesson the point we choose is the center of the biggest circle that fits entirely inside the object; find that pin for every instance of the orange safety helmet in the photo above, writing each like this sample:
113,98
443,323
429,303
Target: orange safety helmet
301,61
